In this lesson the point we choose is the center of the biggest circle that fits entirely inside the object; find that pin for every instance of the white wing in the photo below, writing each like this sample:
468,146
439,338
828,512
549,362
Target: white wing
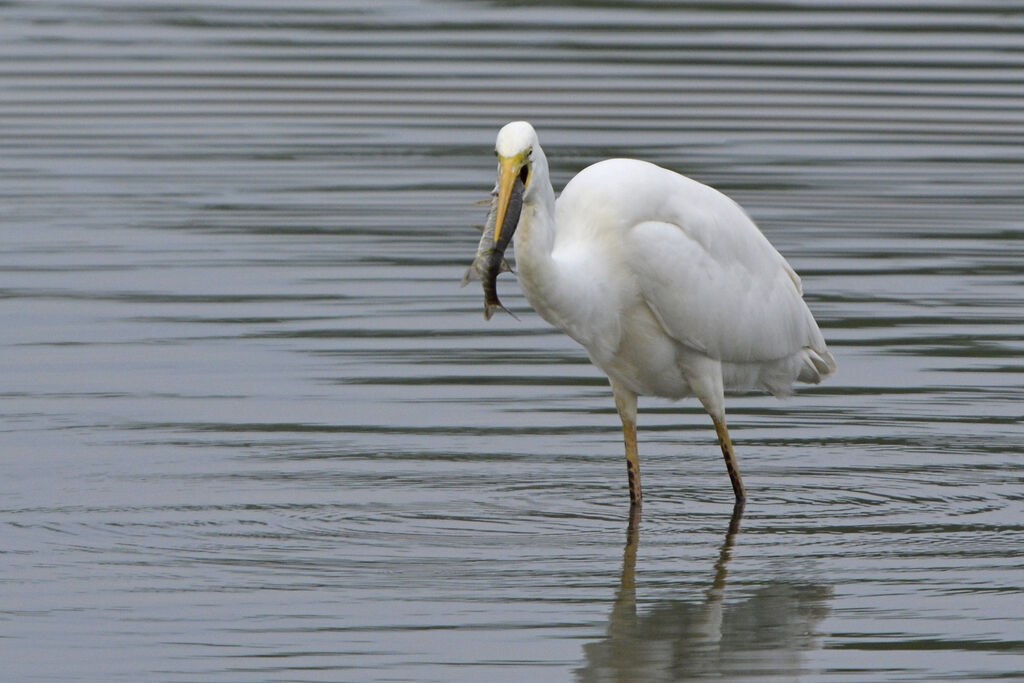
726,307
710,276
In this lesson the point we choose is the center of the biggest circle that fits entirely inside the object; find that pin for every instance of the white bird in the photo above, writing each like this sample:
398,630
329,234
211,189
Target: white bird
666,282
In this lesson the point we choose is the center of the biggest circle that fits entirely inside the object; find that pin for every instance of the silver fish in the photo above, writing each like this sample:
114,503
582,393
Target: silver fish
490,256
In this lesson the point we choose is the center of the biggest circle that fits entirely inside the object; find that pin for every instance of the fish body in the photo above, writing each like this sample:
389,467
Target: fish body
490,255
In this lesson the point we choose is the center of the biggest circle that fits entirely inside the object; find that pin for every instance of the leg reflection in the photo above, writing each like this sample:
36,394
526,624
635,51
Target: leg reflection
760,632
622,620
710,629
726,552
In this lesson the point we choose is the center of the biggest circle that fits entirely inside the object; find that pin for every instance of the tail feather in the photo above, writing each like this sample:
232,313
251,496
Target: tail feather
818,364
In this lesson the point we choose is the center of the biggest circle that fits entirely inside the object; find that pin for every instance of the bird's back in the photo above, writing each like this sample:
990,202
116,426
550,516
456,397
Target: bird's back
626,192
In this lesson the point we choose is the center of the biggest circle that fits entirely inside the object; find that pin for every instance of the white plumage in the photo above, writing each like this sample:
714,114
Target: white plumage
666,282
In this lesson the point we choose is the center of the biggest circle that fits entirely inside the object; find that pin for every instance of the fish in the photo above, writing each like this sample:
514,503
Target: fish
490,256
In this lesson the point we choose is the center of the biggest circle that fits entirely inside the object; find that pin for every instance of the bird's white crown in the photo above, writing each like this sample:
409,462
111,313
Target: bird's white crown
515,138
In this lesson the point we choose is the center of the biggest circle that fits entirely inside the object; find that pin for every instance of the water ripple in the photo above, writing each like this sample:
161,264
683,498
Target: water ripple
253,429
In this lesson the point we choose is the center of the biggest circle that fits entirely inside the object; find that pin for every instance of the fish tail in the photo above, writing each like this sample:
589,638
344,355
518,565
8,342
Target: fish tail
491,301
491,308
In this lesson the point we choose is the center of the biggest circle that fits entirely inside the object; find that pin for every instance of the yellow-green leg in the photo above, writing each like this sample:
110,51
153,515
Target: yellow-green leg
625,403
730,458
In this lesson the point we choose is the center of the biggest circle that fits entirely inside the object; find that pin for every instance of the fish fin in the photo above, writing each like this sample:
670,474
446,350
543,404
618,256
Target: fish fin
506,268
470,275
483,202
479,227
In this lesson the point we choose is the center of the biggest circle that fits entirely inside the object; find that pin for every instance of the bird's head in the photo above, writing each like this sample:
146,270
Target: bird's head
516,147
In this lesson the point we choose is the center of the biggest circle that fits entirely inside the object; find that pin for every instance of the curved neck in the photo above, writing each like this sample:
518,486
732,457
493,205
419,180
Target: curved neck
538,202
535,236
550,284
558,282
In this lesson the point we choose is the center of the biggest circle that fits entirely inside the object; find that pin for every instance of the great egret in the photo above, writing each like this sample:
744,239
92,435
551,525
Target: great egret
666,282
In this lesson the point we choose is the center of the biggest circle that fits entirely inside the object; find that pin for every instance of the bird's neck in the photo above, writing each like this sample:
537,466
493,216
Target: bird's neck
534,240
559,287
535,235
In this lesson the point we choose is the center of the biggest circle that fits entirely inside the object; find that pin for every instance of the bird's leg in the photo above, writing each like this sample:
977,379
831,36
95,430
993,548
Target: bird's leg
705,378
730,458
632,462
625,403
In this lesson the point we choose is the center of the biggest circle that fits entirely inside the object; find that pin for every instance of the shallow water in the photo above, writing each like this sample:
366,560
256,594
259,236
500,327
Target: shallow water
253,430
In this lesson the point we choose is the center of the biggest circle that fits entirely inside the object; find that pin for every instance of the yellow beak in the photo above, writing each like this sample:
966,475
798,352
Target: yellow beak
508,169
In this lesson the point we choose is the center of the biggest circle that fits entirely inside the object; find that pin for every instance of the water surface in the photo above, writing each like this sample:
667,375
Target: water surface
253,430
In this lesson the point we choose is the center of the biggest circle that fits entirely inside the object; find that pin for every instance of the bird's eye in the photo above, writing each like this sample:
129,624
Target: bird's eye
524,173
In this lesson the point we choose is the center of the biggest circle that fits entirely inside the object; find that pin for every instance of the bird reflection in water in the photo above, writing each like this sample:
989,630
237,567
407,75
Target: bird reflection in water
675,640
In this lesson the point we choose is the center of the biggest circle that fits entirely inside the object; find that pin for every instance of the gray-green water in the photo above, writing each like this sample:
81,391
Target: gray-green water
252,430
